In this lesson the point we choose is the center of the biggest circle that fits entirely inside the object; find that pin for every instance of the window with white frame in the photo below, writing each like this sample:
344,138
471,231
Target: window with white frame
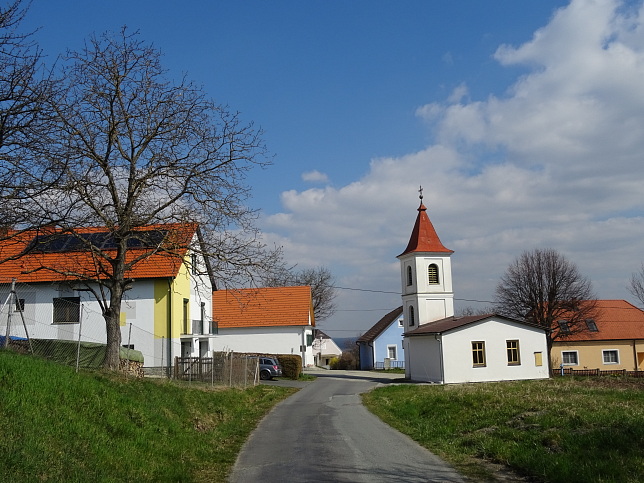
611,356
570,358
66,310
400,322
392,352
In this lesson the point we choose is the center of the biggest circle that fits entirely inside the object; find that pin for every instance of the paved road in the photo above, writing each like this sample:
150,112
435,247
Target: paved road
324,434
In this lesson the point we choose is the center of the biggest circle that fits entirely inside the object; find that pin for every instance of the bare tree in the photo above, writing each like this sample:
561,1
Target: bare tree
319,279
130,149
544,288
24,89
636,285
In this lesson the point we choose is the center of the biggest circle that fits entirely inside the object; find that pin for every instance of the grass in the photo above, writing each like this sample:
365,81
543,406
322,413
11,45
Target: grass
57,425
558,430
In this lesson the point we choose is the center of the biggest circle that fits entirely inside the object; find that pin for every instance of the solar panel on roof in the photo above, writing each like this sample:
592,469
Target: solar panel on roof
65,242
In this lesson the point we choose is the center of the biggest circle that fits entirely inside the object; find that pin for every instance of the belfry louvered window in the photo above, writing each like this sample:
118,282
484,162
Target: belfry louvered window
411,315
409,277
432,274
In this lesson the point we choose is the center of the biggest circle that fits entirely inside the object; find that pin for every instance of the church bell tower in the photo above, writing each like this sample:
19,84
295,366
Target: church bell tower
426,274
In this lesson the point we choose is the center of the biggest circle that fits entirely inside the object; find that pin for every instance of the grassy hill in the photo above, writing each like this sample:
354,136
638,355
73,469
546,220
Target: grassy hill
56,425
564,430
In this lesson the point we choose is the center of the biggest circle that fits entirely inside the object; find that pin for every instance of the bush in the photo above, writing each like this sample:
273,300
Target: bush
291,365
347,361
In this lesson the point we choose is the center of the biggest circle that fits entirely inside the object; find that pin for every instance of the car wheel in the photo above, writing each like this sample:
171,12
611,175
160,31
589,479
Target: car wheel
264,375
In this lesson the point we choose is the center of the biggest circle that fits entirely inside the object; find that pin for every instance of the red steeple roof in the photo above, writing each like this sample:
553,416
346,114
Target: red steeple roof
423,237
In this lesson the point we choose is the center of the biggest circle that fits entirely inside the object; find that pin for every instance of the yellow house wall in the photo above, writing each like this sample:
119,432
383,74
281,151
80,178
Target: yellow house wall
171,300
590,354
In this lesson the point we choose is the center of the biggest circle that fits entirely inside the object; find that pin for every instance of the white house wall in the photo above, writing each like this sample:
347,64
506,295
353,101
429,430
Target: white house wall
423,359
266,340
457,352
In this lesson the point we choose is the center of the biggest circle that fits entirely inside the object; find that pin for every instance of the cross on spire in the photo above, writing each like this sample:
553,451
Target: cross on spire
421,194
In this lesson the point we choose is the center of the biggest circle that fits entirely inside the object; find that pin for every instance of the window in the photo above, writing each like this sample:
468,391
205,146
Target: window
569,358
391,352
563,326
513,352
411,315
186,329
432,274
410,277
20,305
400,322
592,326
309,340
478,353
66,310
611,357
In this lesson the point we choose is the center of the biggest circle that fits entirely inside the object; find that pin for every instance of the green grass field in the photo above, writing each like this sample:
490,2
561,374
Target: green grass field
56,425
558,430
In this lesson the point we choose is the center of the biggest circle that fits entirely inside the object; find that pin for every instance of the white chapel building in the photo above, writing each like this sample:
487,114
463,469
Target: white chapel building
442,348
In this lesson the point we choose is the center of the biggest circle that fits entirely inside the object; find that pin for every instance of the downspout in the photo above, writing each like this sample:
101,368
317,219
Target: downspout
635,356
440,357
169,323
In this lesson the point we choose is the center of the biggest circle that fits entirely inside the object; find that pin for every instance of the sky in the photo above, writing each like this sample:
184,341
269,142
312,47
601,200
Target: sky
522,121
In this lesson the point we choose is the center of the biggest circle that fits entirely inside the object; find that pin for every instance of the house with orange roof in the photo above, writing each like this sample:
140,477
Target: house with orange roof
613,340
270,320
169,302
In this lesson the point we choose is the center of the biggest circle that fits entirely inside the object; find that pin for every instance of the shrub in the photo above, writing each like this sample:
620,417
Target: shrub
291,365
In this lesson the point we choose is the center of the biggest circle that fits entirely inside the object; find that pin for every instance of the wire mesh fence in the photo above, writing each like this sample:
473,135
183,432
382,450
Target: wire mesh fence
71,332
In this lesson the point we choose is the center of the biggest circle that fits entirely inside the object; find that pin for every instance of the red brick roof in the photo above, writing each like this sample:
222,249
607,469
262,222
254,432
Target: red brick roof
35,266
616,320
263,307
423,236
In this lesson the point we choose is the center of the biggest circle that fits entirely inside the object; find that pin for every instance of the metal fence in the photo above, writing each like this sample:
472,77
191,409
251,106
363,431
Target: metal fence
389,364
595,372
227,369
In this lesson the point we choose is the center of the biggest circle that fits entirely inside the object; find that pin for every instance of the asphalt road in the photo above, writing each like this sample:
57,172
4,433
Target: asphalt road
324,434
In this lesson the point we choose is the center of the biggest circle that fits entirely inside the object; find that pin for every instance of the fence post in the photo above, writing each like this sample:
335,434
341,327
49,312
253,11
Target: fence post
80,333
12,301
176,365
230,382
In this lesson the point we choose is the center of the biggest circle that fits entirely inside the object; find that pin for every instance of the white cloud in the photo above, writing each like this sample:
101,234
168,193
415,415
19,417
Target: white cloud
315,177
555,162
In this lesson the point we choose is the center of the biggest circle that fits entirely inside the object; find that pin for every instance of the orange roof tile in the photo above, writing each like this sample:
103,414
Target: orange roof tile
263,307
71,265
616,320
423,236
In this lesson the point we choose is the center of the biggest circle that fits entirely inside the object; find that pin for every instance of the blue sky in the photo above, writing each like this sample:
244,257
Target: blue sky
522,121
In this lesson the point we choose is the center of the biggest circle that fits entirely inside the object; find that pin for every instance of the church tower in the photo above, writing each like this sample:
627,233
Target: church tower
426,274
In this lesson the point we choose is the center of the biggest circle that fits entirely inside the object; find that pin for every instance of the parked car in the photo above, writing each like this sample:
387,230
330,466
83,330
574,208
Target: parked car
269,368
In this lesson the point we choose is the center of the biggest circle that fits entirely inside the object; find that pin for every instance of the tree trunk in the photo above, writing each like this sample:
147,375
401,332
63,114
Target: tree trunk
112,318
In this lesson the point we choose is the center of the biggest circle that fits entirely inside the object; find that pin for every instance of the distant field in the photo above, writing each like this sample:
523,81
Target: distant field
558,430
56,425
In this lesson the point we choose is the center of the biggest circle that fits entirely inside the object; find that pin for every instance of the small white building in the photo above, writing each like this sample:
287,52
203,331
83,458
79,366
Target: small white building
441,348
270,320
324,349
